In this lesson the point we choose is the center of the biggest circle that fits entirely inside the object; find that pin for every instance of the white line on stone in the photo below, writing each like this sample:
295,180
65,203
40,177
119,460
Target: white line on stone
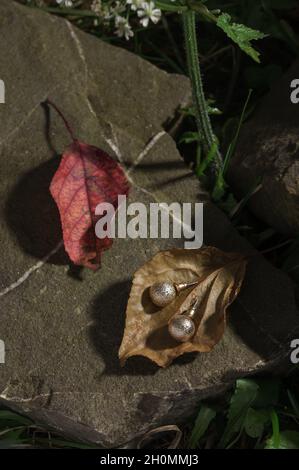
78,45
16,399
31,270
28,116
113,143
90,107
81,54
147,149
187,381
5,391
114,146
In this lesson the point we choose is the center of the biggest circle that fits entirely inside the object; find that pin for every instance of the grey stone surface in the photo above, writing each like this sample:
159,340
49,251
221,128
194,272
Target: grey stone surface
269,150
62,328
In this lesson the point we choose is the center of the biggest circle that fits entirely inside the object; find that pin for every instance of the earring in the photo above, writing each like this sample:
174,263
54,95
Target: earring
163,293
181,327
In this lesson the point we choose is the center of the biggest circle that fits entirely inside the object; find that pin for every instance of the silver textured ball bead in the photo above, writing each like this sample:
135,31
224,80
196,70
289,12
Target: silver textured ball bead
162,293
181,328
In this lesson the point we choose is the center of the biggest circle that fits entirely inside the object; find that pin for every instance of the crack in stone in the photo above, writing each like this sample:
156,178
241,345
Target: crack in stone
31,270
152,142
81,54
113,143
115,148
17,399
187,381
79,48
26,118
24,400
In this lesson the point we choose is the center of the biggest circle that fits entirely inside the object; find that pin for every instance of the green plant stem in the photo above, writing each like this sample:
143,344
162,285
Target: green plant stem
170,7
201,108
68,12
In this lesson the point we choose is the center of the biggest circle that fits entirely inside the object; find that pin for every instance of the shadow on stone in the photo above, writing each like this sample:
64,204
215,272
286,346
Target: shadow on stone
32,215
108,314
256,315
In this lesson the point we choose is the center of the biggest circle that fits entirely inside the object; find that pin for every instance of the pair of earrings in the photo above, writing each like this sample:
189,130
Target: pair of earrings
181,327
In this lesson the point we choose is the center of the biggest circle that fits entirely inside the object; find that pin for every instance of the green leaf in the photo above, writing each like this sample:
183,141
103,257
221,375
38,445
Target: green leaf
288,440
245,393
219,188
203,420
14,434
207,160
240,34
255,422
212,110
275,429
189,137
6,415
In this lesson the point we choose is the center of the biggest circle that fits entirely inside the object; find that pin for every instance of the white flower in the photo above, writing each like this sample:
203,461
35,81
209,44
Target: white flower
96,6
118,8
135,4
123,28
65,3
149,12
107,11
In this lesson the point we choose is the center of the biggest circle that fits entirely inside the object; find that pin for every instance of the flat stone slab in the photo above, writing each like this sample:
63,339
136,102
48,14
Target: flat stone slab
63,326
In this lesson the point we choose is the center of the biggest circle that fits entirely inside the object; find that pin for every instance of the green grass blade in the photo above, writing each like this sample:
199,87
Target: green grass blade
275,429
232,147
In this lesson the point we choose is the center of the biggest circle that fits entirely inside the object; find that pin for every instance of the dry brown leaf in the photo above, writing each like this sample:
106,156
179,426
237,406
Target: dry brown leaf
161,433
146,331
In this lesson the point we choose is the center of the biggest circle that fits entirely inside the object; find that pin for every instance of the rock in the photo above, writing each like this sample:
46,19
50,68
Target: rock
62,326
268,151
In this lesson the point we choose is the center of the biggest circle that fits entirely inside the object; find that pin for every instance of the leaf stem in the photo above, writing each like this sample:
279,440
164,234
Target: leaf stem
201,108
68,127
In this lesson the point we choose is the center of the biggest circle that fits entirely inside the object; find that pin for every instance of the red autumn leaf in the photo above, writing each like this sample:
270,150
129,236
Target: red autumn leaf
86,177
